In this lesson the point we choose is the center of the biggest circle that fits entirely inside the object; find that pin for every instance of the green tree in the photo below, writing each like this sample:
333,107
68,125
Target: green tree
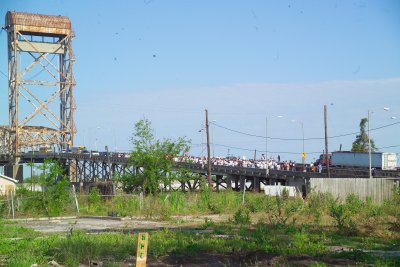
361,142
152,159
55,197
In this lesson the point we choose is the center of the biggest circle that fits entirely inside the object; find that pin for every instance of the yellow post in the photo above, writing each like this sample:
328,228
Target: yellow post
141,256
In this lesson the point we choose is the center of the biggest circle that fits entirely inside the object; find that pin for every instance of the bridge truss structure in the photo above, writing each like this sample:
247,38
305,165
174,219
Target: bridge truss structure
40,84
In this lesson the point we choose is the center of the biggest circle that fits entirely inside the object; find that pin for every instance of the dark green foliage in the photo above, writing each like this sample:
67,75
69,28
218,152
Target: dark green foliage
56,197
242,216
361,142
282,208
341,213
317,204
392,208
153,160
94,199
354,204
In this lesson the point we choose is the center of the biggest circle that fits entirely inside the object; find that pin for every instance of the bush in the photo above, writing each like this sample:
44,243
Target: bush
392,208
317,205
342,216
256,203
354,204
242,216
94,199
282,208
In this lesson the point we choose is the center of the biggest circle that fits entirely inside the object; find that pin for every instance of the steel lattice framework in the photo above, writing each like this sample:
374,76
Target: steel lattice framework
32,38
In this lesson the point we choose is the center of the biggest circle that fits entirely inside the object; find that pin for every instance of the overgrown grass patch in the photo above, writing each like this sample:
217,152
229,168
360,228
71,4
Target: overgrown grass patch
79,247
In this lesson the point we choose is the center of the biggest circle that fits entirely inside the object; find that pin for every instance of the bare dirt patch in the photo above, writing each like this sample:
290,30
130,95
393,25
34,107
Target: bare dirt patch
238,259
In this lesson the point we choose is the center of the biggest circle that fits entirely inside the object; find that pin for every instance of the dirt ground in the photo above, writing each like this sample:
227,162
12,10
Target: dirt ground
246,259
237,259
183,223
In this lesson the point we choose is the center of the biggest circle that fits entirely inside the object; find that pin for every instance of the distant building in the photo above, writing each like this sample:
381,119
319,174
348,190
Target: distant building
7,185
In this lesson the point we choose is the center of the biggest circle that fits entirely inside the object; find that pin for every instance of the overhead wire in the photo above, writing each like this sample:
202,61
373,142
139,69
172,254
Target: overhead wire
388,147
263,151
299,139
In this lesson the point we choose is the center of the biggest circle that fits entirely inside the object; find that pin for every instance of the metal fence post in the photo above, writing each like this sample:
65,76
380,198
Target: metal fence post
76,200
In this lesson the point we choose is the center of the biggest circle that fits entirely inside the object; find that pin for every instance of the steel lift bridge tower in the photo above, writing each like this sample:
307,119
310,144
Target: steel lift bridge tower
40,86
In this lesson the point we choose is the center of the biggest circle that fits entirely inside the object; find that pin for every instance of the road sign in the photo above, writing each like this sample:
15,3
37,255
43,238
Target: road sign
303,155
141,256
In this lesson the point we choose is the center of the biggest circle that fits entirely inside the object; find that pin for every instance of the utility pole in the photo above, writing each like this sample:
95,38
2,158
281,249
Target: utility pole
266,147
255,154
108,163
326,141
109,170
208,150
369,146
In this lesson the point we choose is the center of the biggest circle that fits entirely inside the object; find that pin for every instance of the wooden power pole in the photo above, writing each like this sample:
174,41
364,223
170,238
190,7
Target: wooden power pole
326,142
208,151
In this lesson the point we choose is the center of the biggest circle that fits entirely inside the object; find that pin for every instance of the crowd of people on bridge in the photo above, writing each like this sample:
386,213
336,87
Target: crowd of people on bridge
271,163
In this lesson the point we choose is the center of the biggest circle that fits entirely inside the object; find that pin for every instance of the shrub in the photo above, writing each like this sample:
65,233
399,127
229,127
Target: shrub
342,216
94,199
354,204
242,216
392,208
317,205
282,208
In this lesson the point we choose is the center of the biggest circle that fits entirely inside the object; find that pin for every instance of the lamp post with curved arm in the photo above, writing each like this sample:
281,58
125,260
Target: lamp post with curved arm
369,141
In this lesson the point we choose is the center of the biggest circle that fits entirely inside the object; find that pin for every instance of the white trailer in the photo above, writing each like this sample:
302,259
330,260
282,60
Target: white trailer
379,160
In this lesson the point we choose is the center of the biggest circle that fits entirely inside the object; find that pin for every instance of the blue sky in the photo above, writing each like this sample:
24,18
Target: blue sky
243,60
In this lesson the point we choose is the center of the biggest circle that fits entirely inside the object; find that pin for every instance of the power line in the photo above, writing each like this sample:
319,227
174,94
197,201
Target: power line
263,151
388,147
299,139
4,74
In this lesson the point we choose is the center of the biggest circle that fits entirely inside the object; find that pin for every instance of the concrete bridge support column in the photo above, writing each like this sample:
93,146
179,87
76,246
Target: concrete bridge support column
218,181
229,179
236,183
14,171
256,184
242,183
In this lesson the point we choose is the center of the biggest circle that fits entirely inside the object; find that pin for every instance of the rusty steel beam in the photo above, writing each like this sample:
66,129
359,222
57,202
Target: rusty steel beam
31,39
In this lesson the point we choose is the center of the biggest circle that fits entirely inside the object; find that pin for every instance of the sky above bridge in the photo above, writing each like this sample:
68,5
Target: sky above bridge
242,60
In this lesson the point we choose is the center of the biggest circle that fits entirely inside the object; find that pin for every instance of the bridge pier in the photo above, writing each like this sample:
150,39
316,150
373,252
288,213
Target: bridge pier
256,184
218,181
229,181
236,178
14,171
242,182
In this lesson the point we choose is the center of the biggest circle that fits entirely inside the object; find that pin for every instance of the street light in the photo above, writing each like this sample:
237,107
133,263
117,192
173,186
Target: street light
369,141
266,142
303,153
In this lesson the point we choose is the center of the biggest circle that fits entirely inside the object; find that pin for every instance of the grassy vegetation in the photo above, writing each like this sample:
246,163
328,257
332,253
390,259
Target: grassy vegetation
271,225
78,247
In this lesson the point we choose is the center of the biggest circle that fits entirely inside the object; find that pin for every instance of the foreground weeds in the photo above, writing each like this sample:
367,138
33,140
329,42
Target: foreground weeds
225,239
262,226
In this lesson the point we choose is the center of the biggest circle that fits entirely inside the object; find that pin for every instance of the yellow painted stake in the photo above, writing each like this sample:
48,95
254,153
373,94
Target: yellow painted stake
141,256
